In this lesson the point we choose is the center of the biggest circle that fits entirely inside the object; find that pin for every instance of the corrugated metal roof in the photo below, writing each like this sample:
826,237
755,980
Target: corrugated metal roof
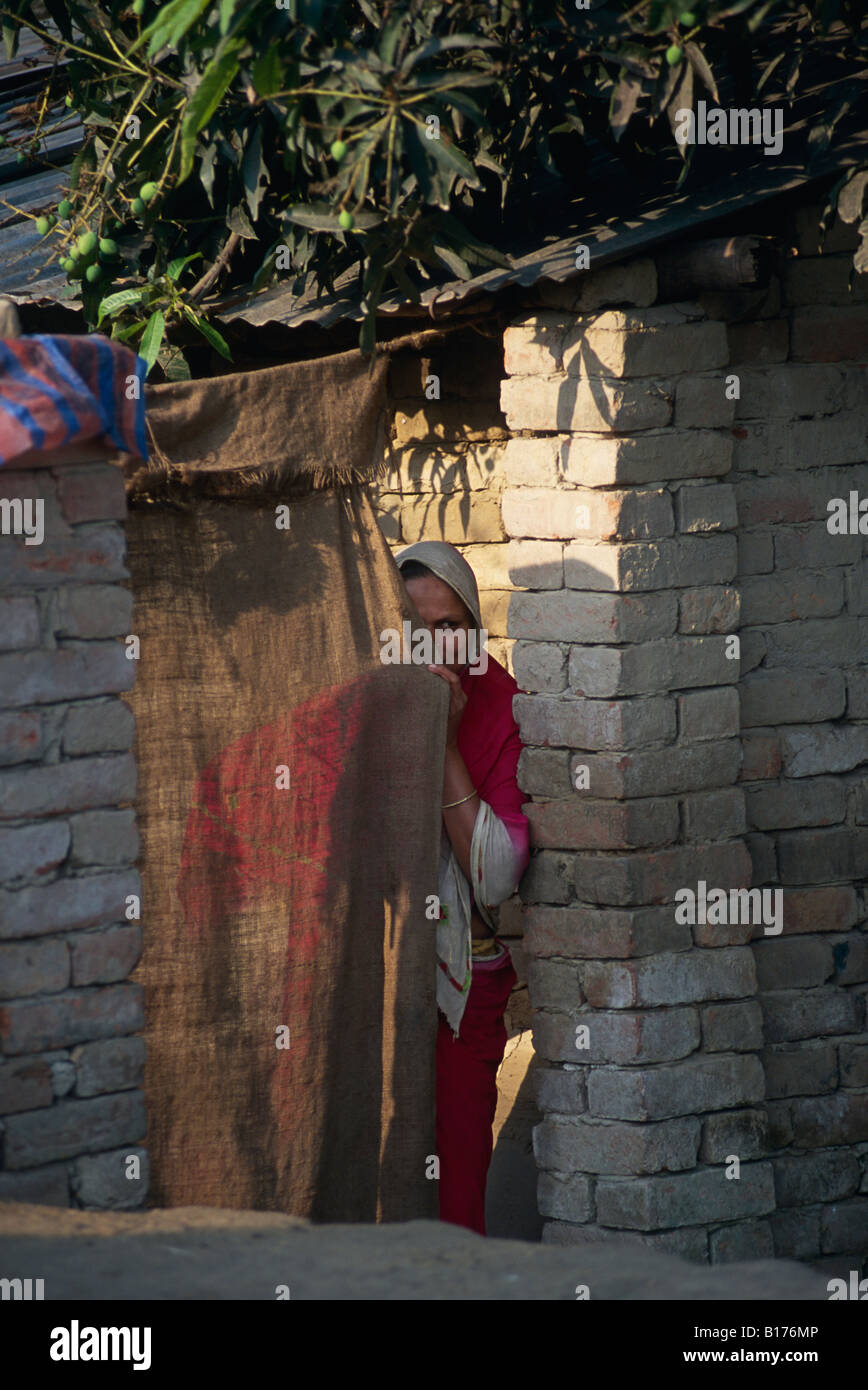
30,187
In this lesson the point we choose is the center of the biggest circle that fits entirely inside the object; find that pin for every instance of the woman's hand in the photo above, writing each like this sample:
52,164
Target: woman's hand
457,703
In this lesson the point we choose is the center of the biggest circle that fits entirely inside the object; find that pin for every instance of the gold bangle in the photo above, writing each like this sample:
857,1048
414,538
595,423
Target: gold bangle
450,804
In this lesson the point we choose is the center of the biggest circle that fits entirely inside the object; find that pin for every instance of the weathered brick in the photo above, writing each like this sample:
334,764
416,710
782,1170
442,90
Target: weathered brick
589,933
628,282
93,610
104,837
685,1199
563,1090
709,609
586,823
851,961
100,726
707,509
604,672
756,552
444,420
857,694
824,1177
93,553
47,1187
604,404
73,1127
540,666
793,1014
529,463
565,1197
822,856
762,758
853,1061
678,978
37,967
433,517
664,1035
820,909
732,1027
19,622
716,815
784,697
77,1016
787,392
103,1182
25,1084
812,547
554,985
741,1240
630,343
652,456
763,342
809,1069
780,499
102,957
81,785
67,904
825,334
600,1146
816,642
645,878
708,714
743,1133
779,598
677,1088
115,1065
91,492
545,772
794,962
536,564
810,750
28,851
572,723
819,801
775,446
571,513
570,615
20,737
643,565
844,1227
661,772
548,878
796,1234
702,402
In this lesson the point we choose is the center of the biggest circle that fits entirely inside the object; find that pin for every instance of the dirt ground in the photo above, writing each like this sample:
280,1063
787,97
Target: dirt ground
205,1253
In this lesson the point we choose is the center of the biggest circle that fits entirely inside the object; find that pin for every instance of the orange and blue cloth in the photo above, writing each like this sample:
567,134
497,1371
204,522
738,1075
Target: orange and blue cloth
57,390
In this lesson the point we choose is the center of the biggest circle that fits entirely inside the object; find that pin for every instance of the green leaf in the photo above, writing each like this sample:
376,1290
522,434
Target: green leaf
113,302
435,46
227,11
152,337
216,78
700,66
174,268
215,339
171,24
254,172
267,72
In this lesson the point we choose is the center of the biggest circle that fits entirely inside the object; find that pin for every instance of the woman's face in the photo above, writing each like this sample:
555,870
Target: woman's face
440,607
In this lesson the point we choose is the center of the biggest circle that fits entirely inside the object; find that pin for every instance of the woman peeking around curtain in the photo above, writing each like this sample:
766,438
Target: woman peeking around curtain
484,850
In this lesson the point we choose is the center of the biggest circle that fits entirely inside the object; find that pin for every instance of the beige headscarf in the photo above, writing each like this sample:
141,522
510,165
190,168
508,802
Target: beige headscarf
449,565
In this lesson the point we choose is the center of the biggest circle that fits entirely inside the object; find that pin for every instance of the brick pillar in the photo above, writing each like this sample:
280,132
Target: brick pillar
622,537
71,1105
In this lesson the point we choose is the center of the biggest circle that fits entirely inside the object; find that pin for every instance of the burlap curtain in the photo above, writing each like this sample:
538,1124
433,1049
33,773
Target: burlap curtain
288,800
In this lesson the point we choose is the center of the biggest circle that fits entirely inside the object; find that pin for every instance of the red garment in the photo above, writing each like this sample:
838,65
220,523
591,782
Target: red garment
467,1095
489,743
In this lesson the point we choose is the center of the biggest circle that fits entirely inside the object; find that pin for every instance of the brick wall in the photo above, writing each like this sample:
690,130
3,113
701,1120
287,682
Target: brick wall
71,1057
691,645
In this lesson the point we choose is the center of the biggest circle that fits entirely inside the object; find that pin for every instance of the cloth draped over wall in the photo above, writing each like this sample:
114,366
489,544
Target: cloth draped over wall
289,806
